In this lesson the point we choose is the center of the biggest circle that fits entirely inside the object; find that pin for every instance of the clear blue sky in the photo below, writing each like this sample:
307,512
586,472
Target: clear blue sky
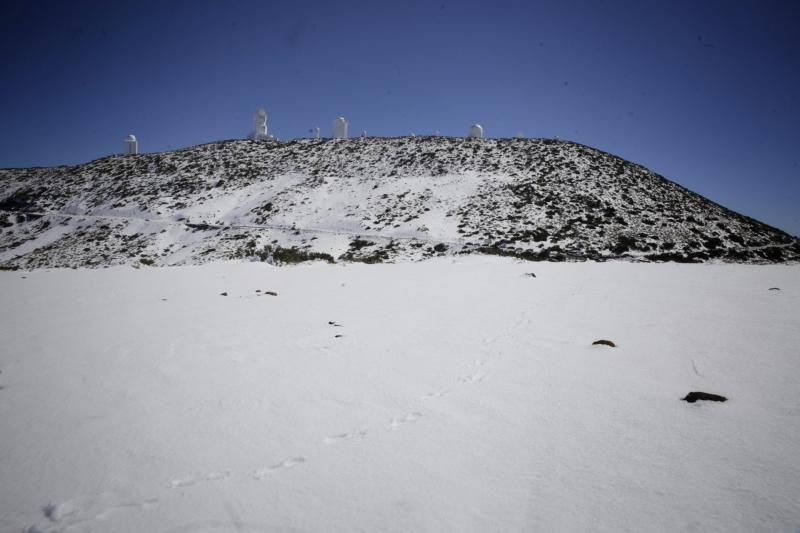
705,93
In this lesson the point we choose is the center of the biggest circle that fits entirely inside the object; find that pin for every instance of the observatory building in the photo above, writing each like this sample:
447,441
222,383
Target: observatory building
130,145
476,131
259,125
339,128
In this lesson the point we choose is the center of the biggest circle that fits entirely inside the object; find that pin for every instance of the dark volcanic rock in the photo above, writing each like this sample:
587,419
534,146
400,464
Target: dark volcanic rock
605,343
704,396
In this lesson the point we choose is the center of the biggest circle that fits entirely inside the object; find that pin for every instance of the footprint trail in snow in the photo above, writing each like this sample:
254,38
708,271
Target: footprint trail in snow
286,463
410,417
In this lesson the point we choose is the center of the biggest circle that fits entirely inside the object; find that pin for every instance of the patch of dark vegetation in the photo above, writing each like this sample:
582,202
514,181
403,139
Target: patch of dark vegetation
772,253
554,253
379,255
605,342
624,244
201,226
10,268
291,256
358,243
738,239
674,257
23,200
146,261
703,396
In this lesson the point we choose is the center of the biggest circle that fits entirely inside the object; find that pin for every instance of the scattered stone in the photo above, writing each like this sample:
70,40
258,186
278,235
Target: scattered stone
531,274
334,324
271,293
696,395
605,342
258,290
163,299
774,288
337,336
223,294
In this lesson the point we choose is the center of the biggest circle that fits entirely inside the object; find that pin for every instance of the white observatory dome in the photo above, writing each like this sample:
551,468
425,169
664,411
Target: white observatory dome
339,127
130,145
476,131
259,131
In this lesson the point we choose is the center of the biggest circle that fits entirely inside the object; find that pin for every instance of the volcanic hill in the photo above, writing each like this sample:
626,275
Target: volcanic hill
368,200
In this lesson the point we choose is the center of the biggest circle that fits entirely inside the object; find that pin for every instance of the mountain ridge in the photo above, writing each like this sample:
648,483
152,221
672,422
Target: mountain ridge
374,199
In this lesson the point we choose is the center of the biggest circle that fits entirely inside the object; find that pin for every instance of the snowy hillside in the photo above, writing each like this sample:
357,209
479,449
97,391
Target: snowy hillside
458,394
371,200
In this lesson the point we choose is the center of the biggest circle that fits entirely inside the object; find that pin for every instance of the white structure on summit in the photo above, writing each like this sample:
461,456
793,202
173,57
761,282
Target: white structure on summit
476,131
316,133
130,145
339,128
259,125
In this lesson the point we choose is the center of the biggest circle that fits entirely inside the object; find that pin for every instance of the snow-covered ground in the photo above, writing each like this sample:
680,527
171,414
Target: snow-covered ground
449,395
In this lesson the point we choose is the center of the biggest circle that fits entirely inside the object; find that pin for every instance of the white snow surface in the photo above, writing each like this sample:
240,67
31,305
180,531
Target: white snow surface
461,395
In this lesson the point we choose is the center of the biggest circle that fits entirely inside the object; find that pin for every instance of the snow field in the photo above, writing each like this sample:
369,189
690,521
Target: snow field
448,395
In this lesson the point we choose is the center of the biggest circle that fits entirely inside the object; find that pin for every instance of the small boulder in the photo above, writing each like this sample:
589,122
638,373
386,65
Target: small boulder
706,396
223,294
271,293
774,288
605,343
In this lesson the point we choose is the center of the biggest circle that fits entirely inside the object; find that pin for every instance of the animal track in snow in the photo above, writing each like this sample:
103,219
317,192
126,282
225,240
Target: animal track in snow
194,480
286,463
146,504
410,417
344,436
88,508
435,394
58,512
474,378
